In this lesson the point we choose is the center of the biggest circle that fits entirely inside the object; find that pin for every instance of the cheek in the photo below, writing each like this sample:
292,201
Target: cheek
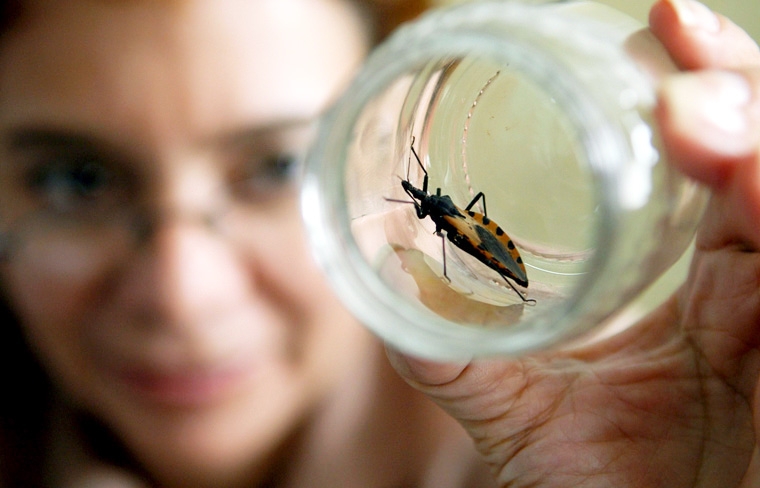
52,295
55,280
43,297
50,306
322,324
291,264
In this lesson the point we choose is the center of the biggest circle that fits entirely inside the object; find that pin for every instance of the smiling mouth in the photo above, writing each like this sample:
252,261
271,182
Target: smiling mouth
184,389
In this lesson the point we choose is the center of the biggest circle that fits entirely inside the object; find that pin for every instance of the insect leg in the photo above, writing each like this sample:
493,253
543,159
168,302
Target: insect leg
474,201
416,156
443,251
530,301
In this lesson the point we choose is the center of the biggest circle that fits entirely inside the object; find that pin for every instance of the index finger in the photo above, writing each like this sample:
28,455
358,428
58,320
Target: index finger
698,38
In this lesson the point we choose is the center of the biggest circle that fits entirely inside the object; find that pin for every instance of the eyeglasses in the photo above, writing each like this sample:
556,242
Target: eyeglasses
106,238
88,210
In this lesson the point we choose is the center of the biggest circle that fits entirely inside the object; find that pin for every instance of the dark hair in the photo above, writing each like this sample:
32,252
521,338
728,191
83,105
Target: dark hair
27,389
385,16
23,412
10,11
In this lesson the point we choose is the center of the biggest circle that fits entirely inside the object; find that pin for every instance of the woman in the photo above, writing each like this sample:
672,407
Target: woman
212,352
155,263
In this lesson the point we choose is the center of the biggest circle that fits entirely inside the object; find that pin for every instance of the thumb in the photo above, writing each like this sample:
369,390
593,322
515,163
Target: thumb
424,373
476,393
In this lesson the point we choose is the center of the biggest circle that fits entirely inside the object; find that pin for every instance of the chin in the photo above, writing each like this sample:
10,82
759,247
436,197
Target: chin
236,430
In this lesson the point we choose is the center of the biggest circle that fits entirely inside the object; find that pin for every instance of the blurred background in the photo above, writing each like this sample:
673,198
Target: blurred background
746,13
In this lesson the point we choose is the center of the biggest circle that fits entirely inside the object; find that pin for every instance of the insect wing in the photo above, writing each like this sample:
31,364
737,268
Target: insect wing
505,254
492,245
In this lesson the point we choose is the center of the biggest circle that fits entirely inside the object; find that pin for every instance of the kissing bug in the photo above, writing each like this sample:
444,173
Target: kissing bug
472,232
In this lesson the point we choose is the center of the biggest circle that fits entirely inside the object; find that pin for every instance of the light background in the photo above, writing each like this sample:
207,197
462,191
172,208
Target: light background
746,13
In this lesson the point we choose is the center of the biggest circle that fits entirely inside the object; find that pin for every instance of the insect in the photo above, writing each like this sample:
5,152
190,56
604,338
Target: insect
472,232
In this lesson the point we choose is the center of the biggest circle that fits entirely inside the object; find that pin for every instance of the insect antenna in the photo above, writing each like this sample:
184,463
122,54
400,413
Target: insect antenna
413,201
400,201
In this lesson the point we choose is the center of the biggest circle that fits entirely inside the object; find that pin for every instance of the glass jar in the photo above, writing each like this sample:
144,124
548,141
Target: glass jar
546,108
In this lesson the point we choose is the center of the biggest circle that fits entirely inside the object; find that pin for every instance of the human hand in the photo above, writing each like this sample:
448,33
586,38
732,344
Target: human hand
673,401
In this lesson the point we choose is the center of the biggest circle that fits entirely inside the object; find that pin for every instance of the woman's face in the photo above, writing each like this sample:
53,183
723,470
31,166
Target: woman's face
156,257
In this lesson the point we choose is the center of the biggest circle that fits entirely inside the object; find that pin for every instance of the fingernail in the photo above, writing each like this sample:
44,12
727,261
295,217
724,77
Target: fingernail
695,14
724,100
712,107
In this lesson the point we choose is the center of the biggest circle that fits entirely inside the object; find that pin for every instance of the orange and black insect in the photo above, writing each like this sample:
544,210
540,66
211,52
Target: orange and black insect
472,232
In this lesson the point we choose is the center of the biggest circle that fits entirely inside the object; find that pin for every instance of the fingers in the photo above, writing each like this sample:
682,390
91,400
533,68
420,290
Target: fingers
698,38
710,123
471,392
422,372
709,118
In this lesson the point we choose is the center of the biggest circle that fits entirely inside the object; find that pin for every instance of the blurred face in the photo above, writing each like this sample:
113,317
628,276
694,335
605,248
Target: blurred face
157,259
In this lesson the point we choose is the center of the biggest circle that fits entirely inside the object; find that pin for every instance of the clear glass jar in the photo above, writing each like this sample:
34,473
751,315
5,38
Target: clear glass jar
546,108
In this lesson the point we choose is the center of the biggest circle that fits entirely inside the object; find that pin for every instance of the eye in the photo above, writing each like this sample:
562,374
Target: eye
68,183
266,177
278,169
265,160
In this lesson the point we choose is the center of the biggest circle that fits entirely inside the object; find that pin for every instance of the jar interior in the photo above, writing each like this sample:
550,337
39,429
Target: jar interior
477,125
549,116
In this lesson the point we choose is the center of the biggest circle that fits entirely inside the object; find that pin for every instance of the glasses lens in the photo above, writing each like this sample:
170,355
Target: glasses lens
61,244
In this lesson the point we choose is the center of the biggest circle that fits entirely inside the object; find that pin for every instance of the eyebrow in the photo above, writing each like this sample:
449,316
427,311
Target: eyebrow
43,137
33,137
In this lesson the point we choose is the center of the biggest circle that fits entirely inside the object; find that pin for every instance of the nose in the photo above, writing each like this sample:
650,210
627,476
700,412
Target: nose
185,273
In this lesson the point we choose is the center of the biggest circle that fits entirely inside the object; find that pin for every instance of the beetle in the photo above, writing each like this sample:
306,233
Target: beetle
470,231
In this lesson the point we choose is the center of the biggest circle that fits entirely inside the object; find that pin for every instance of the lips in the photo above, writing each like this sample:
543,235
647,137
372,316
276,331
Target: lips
184,388
185,365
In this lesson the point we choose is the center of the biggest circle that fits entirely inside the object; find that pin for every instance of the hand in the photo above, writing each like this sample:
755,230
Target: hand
673,401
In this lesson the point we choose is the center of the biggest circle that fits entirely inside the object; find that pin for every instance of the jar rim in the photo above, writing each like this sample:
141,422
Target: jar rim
403,324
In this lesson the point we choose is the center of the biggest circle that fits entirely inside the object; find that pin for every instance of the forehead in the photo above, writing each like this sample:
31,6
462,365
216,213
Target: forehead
192,65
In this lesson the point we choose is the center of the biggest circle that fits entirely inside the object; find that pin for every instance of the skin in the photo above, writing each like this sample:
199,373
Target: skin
673,401
212,361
